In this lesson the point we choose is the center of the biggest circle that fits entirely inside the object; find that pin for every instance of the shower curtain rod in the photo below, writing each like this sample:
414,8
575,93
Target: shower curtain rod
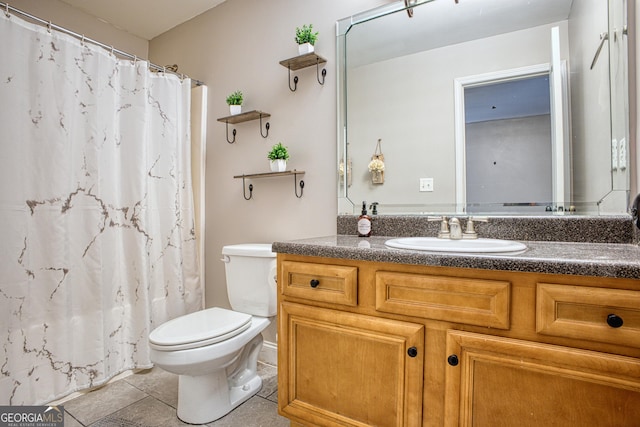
111,49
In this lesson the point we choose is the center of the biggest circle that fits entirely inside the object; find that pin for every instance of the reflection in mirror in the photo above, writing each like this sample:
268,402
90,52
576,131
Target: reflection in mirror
507,130
485,106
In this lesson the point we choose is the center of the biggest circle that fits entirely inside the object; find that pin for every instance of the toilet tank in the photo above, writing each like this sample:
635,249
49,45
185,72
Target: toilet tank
251,278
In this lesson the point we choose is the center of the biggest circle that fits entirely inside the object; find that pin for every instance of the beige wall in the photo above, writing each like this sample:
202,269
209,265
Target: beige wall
238,45
82,23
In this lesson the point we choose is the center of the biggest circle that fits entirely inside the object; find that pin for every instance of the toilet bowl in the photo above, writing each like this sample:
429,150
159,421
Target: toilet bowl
215,351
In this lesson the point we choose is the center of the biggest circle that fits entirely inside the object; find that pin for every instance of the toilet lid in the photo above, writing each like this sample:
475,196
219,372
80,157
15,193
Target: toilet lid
199,329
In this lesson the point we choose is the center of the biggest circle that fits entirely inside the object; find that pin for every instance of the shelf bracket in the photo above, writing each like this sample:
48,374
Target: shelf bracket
295,81
266,126
234,135
294,172
244,190
324,73
295,185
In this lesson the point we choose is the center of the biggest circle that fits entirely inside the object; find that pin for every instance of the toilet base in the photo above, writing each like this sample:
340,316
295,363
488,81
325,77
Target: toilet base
206,398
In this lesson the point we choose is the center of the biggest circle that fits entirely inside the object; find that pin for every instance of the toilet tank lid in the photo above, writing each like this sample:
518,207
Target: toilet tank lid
249,249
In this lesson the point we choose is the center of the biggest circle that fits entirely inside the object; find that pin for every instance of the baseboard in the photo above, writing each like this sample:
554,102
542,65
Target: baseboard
269,353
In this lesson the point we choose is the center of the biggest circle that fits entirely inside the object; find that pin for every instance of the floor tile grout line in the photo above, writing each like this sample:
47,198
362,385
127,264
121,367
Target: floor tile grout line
150,395
77,420
114,412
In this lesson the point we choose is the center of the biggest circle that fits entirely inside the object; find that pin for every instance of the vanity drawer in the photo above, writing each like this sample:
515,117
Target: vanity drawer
595,314
482,302
320,282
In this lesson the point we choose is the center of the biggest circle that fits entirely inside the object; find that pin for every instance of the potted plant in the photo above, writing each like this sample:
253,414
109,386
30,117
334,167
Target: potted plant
235,102
278,156
306,39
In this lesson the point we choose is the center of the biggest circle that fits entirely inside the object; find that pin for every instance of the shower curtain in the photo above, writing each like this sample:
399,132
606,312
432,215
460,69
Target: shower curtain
96,212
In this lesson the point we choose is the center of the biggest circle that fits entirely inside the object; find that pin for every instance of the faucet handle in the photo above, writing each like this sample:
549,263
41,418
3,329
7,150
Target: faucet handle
444,226
470,232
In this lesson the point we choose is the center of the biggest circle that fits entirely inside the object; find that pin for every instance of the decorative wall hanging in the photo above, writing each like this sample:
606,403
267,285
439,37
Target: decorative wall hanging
376,165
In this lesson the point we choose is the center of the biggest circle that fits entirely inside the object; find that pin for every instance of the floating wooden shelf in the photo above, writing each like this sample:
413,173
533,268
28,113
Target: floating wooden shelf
304,61
294,172
245,117
270,174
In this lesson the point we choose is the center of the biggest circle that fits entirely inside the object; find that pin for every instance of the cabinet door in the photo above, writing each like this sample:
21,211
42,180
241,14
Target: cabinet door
494,381
346,369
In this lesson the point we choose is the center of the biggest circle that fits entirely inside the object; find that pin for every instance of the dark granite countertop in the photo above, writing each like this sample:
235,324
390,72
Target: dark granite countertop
587,259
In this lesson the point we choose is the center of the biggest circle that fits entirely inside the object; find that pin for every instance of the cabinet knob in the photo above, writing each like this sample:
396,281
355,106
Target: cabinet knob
614,321
412,352
452,360
314,283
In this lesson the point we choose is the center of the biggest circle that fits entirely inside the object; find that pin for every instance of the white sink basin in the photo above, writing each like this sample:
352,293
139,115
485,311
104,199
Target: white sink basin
433,244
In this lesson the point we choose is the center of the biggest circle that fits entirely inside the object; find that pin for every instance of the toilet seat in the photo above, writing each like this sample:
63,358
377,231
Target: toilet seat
199,329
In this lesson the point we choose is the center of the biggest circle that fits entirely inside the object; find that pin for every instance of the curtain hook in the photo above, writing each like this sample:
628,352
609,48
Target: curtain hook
82,40
49,27
112,51
135,59
6,10
164,69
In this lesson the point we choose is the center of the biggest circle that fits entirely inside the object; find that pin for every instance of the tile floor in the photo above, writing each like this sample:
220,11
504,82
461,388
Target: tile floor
149,398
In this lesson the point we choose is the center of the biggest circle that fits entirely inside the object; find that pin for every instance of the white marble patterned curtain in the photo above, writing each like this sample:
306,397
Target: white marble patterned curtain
97,242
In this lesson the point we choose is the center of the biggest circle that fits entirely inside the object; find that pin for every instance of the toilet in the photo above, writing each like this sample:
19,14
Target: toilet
215,351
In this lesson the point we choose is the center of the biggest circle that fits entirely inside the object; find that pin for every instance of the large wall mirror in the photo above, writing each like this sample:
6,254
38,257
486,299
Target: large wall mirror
485,107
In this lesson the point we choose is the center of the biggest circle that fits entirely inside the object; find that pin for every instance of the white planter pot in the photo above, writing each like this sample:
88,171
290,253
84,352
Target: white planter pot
278,165
305,48
235,109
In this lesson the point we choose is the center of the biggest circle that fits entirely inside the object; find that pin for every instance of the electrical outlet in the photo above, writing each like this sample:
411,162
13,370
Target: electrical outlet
426,184
614,154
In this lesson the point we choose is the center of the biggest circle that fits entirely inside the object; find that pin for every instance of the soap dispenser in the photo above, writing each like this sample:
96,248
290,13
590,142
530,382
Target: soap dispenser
364,222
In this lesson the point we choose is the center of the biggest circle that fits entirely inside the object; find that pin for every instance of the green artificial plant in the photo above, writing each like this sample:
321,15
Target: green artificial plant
278,152
306,35
235,98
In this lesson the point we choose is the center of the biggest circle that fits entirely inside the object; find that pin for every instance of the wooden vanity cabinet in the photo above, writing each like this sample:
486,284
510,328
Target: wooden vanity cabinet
379,344
495,381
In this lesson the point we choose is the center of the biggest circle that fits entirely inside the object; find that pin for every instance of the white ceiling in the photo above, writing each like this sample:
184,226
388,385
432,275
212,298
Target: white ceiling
144,18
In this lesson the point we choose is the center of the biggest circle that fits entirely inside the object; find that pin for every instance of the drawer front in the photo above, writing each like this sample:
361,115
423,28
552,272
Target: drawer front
479,302
336,284
595,314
